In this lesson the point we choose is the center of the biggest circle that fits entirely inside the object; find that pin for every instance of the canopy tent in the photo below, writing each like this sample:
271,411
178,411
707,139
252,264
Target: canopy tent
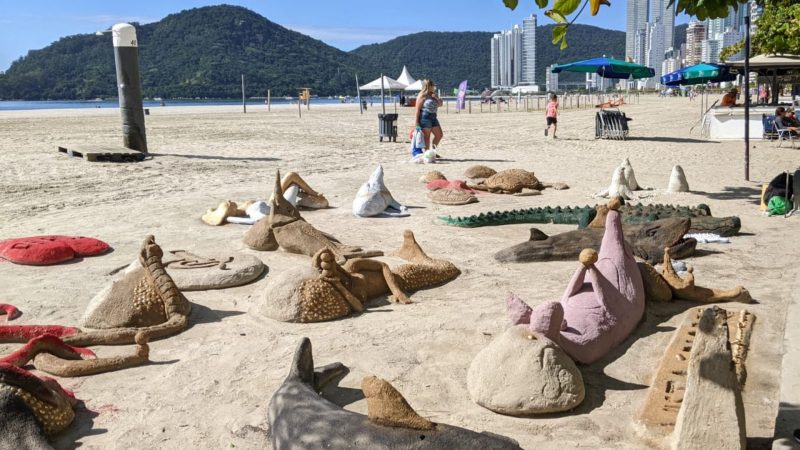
698,74
607,68
388,83
406,77
415,86
770,64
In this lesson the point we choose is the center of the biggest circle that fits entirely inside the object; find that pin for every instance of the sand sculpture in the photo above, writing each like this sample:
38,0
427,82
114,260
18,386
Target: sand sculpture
567,215
295,190
451,197
300,417
374,199
695,392
668,285
328,291
9,312
630,176
431,176
32,409
479,172
450,184
677,180
647,241
192,272
285,228
618,187
602,305
511,181
47,250
522,373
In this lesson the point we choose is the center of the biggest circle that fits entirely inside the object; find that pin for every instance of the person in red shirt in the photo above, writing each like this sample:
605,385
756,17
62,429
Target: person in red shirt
551,114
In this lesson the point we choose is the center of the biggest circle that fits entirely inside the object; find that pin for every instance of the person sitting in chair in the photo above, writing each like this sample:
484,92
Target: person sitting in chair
729,99
791,119
782,122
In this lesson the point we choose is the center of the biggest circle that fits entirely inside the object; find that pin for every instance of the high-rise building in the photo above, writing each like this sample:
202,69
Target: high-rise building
636,21
695,35
710,51
731,37
551,80
664,13
640,47
655,51
513,55
755,14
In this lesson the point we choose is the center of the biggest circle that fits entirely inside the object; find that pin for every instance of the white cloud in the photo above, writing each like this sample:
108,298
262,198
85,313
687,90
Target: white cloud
349,36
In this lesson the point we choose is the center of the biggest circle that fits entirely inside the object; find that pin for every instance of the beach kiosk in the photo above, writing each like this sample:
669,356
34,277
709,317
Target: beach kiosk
387,123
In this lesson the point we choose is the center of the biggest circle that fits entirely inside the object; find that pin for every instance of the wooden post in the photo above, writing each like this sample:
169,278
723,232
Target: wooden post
470,106
269,100
299,107
537,102
447,106
358,93
244,105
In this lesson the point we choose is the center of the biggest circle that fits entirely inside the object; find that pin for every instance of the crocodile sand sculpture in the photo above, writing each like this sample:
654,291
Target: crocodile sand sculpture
647,241
328,291
602,304
587,216
285,228
299,417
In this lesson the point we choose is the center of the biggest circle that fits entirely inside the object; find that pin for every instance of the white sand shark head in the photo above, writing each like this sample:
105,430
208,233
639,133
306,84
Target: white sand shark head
677,180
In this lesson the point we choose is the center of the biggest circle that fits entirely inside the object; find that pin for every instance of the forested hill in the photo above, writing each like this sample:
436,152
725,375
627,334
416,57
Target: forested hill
200,52
449,58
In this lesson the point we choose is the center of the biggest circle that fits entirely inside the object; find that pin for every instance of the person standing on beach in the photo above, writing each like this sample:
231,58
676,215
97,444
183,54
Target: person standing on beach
427,105
551,114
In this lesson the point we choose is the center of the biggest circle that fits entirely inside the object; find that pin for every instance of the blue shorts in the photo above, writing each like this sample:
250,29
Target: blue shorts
428,120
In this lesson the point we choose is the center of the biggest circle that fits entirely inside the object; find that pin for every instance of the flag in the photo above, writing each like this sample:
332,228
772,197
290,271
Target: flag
462,94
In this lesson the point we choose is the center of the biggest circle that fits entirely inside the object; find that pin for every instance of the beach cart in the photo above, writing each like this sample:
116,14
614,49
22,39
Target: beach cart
611,124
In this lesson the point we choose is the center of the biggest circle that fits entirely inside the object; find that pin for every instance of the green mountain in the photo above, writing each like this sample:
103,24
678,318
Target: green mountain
200,52
449,58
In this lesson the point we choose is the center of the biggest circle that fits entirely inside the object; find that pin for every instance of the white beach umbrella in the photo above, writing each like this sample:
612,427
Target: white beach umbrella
415,86
388,83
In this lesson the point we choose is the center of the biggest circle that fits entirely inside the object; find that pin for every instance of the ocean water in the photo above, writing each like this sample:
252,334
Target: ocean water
64,104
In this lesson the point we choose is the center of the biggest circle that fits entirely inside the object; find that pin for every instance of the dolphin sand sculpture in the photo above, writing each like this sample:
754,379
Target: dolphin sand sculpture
374,199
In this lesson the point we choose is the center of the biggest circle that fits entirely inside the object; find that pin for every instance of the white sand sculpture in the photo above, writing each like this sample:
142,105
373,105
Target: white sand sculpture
630,177
677,180
374,198
618,187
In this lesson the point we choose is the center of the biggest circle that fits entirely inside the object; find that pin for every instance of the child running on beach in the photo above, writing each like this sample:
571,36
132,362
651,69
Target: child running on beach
551,112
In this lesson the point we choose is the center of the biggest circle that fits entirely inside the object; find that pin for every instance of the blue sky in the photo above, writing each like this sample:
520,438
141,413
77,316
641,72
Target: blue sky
346,24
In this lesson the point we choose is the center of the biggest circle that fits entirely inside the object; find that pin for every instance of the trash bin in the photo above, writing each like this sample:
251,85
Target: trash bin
387,127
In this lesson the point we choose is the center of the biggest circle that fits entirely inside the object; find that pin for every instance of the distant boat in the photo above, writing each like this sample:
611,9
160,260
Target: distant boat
98,99
288,98
158,99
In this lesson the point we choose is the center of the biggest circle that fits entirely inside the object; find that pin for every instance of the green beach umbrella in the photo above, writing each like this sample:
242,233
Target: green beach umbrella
607,68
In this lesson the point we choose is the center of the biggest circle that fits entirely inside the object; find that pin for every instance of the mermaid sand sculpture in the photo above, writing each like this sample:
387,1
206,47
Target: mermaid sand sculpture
374,199
299,417
328,291
602,305
295,190
285,228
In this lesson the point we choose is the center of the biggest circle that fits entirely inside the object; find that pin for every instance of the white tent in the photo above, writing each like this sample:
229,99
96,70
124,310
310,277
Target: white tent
406,77
388,83
415,86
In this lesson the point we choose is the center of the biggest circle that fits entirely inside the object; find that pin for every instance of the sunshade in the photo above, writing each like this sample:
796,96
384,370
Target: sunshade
607,68
698,74
415,86
388,83
405,77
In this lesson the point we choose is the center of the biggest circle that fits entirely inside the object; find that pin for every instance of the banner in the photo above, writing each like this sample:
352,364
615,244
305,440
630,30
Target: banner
462,94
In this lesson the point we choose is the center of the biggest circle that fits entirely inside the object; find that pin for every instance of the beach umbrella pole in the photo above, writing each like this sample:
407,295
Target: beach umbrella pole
129,86
358,94
747,98
383,99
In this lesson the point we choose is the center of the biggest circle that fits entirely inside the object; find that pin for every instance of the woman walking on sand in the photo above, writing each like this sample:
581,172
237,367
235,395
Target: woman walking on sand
427,105
551,113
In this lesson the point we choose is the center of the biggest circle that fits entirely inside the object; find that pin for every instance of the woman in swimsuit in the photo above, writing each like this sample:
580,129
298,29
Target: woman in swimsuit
427,105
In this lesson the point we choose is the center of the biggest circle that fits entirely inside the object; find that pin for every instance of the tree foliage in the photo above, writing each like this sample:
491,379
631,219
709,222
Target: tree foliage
778,28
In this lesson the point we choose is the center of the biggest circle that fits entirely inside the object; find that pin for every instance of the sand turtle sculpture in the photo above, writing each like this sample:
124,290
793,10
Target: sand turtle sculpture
512,181
479,172
431,176
328,291
299,417
295,190
451,197
285,228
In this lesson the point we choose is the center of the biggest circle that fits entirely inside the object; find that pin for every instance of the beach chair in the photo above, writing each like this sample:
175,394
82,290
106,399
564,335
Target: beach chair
783,133
611,124
768,124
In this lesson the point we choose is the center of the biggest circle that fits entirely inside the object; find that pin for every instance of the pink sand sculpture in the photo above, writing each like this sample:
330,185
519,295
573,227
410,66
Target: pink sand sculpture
602,305
450,184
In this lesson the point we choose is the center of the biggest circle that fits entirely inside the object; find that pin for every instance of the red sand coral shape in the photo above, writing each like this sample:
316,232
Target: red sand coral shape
46,250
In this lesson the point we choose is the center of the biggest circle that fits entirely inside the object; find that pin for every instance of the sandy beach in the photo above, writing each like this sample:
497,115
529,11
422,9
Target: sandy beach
209,387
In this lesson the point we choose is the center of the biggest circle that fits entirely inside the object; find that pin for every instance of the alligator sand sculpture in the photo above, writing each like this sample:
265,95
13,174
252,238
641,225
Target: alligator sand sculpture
299,417
328,291
586,216
285,228
602,304
647,241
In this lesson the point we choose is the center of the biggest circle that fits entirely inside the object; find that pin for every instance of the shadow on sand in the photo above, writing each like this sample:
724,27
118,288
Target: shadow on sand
219,158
